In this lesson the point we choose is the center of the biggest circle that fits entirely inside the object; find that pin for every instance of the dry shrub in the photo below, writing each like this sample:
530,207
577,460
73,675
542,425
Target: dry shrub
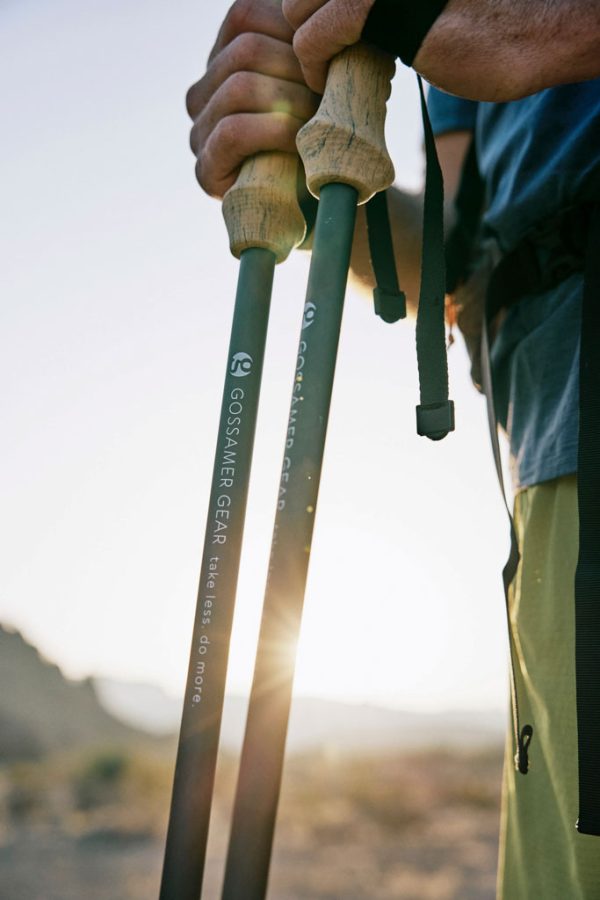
394,791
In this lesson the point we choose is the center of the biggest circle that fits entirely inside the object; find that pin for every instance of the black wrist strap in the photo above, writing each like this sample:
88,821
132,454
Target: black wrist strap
435,414
400,26
390,301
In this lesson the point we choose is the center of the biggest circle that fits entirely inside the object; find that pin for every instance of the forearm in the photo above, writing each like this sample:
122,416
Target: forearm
481,49
501,50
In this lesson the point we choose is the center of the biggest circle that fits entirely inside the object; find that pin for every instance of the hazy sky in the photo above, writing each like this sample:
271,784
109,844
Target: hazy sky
116,294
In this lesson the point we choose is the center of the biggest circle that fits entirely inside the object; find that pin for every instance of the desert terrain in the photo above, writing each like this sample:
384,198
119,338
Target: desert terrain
84,800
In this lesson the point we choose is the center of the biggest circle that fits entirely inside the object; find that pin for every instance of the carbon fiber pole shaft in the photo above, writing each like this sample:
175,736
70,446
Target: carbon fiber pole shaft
203,702
258,788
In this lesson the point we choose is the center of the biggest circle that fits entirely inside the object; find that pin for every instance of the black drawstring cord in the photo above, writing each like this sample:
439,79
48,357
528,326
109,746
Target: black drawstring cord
523,736
522,756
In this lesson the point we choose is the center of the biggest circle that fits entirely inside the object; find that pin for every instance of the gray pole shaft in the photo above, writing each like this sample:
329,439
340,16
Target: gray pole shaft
203,702
259,782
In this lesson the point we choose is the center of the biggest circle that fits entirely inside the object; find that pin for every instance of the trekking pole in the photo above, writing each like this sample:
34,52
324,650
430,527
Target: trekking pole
264,223
344,154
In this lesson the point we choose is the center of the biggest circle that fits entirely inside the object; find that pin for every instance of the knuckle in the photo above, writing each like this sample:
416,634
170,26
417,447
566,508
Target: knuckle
246,50
302,46
189,100
218,163
240,87
287,8
227,136
240,15
194,140
290,12
209,180
197,96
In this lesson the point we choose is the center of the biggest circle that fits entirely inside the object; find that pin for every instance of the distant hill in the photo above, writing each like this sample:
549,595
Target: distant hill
315,723
42,711
144,706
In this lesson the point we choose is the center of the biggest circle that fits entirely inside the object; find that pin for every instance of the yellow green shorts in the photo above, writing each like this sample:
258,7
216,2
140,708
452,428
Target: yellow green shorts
542,857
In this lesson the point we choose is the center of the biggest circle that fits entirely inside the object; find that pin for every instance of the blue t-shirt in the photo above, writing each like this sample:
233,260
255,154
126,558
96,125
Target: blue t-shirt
537,156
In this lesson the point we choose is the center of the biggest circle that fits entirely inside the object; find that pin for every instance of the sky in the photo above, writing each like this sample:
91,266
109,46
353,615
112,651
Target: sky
116,296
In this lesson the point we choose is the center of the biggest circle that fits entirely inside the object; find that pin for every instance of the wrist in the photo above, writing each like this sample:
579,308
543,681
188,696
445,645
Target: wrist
400,26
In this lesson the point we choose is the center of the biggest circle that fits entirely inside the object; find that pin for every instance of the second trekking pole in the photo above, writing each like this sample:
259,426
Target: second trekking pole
346,162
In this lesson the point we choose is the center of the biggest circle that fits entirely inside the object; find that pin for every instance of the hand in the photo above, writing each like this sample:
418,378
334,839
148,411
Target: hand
253,96
323,29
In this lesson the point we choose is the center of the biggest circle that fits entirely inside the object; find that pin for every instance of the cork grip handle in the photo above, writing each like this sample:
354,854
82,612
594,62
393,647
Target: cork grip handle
261,209
344,141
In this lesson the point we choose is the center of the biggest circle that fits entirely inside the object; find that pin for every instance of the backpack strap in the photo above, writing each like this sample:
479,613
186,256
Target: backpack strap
587,577
522,735
567,243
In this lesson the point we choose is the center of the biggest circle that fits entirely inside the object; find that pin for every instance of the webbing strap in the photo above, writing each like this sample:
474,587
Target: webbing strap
435,414
587,577
390,301
519,273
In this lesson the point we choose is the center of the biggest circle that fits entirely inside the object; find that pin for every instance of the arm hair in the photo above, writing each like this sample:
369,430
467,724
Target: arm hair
502,50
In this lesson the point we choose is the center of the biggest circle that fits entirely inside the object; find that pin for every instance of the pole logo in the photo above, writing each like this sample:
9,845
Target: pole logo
310,311
241,365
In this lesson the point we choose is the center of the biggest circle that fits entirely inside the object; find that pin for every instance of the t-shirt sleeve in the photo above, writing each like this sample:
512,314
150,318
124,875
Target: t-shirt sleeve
449,113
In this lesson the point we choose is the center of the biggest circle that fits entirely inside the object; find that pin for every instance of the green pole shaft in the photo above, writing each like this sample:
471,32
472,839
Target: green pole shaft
187,834
261,766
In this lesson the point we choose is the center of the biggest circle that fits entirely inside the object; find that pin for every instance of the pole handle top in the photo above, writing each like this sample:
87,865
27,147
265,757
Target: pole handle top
345,140
261,209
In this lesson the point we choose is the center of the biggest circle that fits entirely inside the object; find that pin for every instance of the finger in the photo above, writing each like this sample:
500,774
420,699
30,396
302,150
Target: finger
247,53
259,16
238,137
330,30
315,75
315,52
249,92
298,11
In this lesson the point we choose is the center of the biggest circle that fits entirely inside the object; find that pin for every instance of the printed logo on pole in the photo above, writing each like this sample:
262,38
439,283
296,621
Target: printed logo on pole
241,364
310,311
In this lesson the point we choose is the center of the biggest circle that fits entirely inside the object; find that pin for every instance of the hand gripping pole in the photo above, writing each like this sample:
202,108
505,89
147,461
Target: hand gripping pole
346,161
264,224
